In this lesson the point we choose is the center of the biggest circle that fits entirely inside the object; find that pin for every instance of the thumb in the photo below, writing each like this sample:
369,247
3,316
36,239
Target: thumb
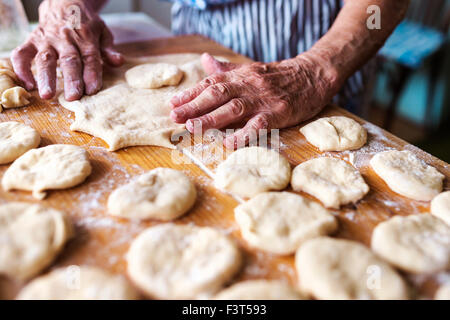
212,65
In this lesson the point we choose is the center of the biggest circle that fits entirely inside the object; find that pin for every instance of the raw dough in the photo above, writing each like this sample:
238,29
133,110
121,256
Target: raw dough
11,96
162,194
78,283
332,269
416,243
7,78
58,166
182,261
279,222
443,293
153,76
440,206
249,171
6,82
406,175
335,134
15,139
259,290
332,181
31,237
125,116
15,97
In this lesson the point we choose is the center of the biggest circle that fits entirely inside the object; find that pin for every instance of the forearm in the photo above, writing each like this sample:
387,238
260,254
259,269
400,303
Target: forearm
349,43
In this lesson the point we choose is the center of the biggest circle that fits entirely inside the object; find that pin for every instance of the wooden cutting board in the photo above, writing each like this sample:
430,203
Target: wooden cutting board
102,240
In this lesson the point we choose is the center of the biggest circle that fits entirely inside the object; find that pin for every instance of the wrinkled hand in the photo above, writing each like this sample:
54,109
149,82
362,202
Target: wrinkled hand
81,43
265,96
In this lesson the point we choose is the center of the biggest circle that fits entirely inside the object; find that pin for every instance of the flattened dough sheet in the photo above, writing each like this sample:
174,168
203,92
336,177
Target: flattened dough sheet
123,116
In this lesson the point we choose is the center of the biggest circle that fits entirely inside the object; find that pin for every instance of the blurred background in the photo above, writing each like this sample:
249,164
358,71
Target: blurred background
409,94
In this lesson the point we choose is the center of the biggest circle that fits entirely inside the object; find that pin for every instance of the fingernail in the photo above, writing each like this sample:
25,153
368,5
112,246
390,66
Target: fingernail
175,101
29,86
74,89
92,88
194,125
177,115
73,94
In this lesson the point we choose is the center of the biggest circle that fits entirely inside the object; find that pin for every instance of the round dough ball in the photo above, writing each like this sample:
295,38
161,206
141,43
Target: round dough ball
333,181
443,293
279,222
249,171
78,283
416,243
406,175
30,238
163,194
153,76
335,134
15,97
182,261
259,290
58,166
440,207
332,269
16,139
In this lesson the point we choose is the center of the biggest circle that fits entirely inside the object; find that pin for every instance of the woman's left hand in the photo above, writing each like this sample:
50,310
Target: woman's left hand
265,95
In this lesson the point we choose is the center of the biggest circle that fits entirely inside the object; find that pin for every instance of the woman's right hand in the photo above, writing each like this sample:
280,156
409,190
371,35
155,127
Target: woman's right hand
72,32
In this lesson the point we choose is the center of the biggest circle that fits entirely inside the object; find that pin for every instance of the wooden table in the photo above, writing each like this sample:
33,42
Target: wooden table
102,240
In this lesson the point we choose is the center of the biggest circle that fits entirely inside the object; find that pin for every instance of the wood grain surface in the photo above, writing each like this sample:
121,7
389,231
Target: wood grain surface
103,240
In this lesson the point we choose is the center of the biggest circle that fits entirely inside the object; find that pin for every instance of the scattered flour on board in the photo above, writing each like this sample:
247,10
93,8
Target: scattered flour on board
209,201
137,169
350,215
392,204
230,230
286,270
90,200
90,209
208,153
255,269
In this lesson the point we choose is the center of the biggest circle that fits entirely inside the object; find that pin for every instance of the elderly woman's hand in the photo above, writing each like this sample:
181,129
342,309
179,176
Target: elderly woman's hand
266,96
71,31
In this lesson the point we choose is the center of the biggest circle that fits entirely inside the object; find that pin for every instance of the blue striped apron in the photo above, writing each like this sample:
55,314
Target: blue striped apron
267,30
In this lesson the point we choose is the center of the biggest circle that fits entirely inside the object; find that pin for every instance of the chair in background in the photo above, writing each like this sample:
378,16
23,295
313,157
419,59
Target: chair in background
419,40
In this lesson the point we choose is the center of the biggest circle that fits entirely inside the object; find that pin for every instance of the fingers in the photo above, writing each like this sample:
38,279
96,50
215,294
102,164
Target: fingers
21,59
212,65
248,133
211,98
231,112
92,68
46,72
110,55
72,70
190,94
